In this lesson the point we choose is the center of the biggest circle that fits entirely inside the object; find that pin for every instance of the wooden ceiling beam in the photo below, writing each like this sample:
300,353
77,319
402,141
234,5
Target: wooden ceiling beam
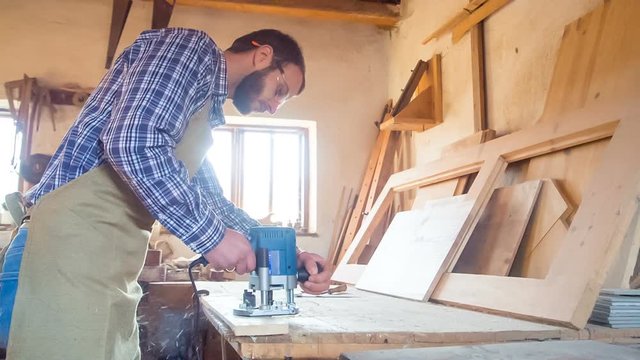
382,15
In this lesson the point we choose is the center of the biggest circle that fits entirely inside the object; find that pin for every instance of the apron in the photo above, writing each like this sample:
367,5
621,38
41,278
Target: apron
77,289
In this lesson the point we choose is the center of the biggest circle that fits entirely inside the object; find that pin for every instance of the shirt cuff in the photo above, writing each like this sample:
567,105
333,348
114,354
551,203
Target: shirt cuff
206,236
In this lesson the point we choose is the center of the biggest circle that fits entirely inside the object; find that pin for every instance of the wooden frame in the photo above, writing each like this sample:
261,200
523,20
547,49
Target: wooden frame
424,111
567,295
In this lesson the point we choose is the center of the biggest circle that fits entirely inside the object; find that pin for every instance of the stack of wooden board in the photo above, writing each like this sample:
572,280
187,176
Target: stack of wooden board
617,308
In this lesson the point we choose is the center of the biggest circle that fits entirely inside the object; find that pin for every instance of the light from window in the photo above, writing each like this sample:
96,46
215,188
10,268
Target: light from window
8,175
263,170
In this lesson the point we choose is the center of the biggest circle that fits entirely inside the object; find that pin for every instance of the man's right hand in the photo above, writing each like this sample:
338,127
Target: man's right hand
234,251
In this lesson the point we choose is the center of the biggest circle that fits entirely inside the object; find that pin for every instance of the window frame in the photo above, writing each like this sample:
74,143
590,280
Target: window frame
238,131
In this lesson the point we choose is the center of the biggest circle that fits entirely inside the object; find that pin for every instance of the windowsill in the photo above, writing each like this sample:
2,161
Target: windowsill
306,234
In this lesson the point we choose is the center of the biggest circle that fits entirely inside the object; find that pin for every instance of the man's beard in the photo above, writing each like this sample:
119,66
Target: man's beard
248,90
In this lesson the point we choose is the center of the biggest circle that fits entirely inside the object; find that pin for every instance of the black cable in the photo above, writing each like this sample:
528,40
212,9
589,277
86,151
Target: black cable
195,345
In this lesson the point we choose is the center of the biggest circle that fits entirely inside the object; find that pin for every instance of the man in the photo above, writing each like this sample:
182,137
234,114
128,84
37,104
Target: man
135,154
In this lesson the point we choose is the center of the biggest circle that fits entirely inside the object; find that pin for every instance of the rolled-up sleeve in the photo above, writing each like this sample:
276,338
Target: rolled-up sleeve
159,91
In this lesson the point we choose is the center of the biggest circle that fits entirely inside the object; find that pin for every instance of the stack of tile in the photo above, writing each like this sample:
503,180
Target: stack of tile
617,308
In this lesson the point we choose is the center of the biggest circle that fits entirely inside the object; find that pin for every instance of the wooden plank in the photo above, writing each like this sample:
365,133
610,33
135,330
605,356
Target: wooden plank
354,221
419,242
119,14
446,27
494,241
338,222
478,78
460,15
547,350
482,12
546,231
474,139
406,124
433,192
435,75
351,203
410,87
385,159
376,238
355,11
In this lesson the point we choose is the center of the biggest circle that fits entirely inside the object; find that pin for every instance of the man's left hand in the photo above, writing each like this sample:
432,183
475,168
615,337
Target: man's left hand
319,279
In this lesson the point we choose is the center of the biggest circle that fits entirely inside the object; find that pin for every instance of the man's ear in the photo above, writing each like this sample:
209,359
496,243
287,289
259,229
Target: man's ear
262,57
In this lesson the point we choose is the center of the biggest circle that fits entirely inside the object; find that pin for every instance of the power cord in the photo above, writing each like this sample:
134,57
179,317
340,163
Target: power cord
196,346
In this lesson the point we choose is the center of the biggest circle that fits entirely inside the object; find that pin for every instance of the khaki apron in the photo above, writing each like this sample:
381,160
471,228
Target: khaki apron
77,289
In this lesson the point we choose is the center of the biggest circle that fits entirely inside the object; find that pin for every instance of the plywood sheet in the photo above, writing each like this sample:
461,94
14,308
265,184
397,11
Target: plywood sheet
433,192
417,243
495,239
545,232
537,260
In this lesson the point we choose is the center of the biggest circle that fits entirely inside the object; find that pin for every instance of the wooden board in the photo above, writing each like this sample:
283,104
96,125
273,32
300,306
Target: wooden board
475,17
476,138
547,350
418,242
433,192
536,261
478,79
547,228
355,218
222,302
494,241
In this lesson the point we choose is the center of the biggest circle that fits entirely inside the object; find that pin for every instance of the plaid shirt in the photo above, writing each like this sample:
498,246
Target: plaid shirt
134,119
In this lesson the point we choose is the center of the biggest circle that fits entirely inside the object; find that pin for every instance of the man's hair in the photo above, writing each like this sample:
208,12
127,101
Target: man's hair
285,49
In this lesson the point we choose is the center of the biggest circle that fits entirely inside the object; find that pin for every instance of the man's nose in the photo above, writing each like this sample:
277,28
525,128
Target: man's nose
273,106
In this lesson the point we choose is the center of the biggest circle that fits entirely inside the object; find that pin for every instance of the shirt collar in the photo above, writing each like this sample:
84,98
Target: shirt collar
219,92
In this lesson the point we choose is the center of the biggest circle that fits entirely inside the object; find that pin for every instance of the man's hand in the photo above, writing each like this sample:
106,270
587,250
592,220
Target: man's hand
318,280
234,251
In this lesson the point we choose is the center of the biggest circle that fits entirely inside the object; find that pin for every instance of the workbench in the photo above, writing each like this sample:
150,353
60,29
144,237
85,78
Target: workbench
359,321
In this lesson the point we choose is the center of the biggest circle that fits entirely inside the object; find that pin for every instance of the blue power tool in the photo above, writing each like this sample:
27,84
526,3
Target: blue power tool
276,269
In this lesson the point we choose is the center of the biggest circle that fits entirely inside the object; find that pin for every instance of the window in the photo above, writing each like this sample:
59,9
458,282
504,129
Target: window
8,174
266,169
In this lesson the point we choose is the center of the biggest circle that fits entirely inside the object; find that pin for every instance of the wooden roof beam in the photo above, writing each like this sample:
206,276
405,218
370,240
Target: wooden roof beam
383,15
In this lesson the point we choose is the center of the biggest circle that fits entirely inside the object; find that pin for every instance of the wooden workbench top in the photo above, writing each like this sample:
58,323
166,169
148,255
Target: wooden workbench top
327,326
359,321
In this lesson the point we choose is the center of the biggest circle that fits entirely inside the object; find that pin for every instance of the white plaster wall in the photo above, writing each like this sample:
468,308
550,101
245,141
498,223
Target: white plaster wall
65,41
